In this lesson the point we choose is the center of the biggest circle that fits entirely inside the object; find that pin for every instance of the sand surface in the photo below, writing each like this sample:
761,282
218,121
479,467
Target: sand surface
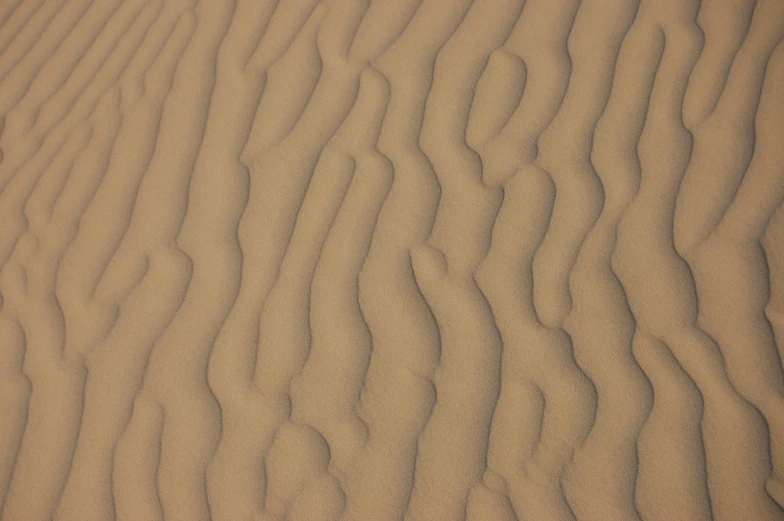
391,260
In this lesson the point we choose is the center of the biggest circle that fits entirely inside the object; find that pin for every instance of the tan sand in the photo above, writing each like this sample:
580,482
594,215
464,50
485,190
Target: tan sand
391,260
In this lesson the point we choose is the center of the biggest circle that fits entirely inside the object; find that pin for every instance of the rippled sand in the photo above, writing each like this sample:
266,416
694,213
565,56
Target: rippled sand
391,260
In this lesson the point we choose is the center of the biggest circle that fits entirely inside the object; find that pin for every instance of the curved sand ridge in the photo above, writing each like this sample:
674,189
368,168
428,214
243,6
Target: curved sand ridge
369,260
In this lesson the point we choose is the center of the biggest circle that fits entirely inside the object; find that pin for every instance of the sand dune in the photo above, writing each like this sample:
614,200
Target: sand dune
391,260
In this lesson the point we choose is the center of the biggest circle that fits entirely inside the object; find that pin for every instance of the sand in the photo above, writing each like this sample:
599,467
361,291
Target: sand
391,260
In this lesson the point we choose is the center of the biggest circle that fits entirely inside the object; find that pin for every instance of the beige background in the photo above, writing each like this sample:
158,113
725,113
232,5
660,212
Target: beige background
389,260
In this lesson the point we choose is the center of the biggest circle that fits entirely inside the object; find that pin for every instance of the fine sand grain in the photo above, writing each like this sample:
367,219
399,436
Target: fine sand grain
391,260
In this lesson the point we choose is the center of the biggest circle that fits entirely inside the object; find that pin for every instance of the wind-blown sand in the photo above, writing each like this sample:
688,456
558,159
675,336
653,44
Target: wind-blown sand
391,260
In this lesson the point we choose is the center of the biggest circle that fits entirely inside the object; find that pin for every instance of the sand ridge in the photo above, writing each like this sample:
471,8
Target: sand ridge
413,260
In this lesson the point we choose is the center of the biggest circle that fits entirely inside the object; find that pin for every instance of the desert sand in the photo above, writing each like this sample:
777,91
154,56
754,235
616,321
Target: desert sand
391,260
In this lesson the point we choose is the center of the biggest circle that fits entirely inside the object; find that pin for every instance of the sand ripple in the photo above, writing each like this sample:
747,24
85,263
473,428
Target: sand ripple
409,261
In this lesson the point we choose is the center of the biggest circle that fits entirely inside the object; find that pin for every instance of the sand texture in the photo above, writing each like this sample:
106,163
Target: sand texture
391,260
